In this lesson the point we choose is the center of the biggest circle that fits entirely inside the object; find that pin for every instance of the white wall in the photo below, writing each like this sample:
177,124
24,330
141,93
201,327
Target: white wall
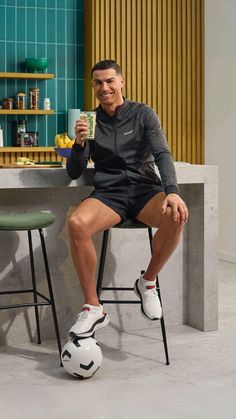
220,112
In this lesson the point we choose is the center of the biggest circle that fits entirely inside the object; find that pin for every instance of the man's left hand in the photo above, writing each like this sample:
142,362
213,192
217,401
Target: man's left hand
179,208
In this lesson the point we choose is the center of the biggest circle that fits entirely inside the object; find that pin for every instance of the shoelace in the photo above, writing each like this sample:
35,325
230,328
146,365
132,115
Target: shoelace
83,315
151,293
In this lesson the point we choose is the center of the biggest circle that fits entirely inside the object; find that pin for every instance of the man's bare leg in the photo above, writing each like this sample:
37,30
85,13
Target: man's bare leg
163,244
89,218
167,236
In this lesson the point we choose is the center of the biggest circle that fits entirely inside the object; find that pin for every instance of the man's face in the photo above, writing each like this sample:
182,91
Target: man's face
108,87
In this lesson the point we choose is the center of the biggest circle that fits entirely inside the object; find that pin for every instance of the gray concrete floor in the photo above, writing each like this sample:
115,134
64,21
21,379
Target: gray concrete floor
133,381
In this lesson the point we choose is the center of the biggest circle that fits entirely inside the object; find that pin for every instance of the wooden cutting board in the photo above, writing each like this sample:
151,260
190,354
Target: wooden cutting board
29,166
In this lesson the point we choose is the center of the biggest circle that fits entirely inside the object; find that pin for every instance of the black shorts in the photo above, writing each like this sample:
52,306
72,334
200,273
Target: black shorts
127,201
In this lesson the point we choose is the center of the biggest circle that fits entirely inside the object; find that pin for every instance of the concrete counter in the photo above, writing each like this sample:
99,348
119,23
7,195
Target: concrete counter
58,177
188,282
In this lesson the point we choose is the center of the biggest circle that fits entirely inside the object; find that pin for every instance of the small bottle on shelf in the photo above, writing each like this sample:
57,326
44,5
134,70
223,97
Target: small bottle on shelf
46,104
1,137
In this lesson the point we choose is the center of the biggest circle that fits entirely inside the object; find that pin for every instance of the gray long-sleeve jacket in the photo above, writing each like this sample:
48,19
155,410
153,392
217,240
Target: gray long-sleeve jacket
125,149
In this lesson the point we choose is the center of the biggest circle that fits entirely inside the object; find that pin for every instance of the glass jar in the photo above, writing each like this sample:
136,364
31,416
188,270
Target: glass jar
20,101
34,98
19,128
7,103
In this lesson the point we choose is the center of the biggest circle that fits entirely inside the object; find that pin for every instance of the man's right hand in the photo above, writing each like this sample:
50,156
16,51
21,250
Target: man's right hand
81,130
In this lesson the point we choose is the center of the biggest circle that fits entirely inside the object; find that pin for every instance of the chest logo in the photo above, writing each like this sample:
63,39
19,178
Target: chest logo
129,132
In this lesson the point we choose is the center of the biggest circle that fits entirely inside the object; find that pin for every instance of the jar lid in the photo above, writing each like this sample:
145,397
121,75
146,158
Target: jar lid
20,94
34,89
9,99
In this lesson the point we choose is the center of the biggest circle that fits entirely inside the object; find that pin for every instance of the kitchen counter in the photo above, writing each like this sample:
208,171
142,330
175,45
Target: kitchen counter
188,281
57,177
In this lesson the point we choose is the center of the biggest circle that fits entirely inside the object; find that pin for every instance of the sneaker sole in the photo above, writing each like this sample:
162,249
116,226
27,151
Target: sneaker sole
138,293
99,324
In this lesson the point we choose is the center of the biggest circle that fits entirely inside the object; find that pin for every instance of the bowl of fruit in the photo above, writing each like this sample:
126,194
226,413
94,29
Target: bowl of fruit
63,145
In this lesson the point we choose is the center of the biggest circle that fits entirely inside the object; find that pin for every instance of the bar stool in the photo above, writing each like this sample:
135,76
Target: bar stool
28,222
127,224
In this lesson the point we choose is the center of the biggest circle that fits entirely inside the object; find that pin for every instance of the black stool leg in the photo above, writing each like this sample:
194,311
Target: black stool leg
50,290
102,262
162,321
34,284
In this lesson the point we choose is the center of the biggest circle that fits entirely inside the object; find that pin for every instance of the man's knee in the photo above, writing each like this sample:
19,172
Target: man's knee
175,227
77,224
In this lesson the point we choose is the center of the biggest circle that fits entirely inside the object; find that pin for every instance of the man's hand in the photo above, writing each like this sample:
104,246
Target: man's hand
180,210
81,130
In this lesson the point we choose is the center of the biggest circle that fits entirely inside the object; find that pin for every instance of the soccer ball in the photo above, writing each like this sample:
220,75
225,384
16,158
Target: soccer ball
81,357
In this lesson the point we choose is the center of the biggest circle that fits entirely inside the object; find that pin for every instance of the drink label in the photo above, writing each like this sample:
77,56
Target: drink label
90,118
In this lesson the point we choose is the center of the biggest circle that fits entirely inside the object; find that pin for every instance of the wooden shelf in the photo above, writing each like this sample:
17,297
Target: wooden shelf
44,76
9,155
25,149
25,112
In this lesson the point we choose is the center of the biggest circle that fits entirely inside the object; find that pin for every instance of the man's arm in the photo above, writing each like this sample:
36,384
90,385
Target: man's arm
80,152
164,161
78,160
160,150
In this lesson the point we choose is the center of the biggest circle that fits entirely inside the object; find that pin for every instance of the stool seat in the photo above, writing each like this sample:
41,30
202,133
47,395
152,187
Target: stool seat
26,221
130,223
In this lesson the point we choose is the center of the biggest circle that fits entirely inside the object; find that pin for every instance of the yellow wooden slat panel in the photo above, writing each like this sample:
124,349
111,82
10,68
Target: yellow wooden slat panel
133,51
169,85
128,48
202,78
154,93
159,61
112,29
189,82
193,87
184,80
174,142
149,54
139,51
179,78
118,34
164,68
160,46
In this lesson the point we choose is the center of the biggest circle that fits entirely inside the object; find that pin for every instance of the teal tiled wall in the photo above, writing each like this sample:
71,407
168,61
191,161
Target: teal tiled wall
43,28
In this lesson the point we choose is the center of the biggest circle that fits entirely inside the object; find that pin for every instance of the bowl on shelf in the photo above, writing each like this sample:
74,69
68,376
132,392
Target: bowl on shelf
36,64
63,152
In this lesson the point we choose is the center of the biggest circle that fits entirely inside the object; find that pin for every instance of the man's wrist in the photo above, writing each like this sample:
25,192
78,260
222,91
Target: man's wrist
78,148
172,189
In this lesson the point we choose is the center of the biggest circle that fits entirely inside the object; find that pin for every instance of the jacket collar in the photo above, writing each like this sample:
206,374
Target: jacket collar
119,114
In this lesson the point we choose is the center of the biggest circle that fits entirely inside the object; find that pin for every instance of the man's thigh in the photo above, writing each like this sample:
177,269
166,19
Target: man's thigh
151,213
96,215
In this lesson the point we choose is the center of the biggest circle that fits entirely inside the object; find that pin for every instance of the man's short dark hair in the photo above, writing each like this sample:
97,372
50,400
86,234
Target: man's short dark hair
105,64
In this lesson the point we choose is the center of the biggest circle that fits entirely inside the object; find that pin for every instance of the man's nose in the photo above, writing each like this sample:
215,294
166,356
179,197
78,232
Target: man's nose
104,86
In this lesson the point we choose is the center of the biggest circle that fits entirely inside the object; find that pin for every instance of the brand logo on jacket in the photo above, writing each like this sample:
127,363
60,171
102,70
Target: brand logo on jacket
129,132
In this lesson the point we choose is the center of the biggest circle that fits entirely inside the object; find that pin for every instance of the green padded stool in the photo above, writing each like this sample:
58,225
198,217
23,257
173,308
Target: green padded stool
28,222
127,224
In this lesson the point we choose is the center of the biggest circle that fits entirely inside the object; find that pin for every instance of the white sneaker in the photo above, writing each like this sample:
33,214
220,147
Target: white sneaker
88,321
150,303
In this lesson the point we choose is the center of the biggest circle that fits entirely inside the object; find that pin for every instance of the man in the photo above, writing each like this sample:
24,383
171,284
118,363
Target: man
128,140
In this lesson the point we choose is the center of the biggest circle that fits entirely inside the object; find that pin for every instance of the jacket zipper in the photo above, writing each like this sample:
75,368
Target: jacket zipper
114,137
